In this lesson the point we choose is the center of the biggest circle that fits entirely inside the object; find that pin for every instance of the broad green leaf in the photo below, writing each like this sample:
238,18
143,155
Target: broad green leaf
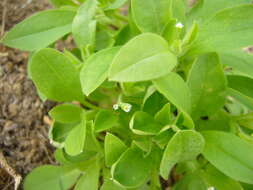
207,83
91,143
90,179
59,3
241,89
55,76
103,39
245,120
144,124
178,9
75,141
132,169
144,144
84,27
153,101
208,8
191,35
66,113
151,15
40,30
239,61
114,147
95,71
139,63
226,31
230,154
51,177
171,33
163,138
60,158
105,119
163,116
184,146
191,181
247,186
218,180
173,87
109,185
72,57
219,121
241,84
115,4
242,98
60,131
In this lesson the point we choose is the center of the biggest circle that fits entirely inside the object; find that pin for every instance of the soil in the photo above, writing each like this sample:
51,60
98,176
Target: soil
23,120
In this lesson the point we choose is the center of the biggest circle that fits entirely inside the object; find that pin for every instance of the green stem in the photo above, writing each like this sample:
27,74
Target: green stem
155,182
89,105
121,17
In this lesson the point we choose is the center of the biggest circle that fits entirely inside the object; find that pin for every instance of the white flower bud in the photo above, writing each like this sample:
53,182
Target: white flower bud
115,106
179,25
126,107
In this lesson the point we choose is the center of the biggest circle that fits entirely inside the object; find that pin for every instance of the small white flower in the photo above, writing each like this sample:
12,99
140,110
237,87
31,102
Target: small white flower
115,106
126,107
211,188
179,25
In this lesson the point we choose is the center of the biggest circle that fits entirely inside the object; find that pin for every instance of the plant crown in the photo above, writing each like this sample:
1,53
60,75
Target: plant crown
153,90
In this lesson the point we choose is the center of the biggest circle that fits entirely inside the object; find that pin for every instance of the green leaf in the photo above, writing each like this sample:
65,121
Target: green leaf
95,71
239,60
144,124
105,119
116,4
208,8
114,147
163,138
66,113
178,9
173,87
153,101
84,27
219,121
163,116
191,181
207,83
184,146
109,185
59,3
103,39
75,141
242,98
132,169
230,154
191,35
226,31
136,63
51,177
90,179
60,131
151,15
241,84
55,76
245,120
247,186
39,30
218,180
